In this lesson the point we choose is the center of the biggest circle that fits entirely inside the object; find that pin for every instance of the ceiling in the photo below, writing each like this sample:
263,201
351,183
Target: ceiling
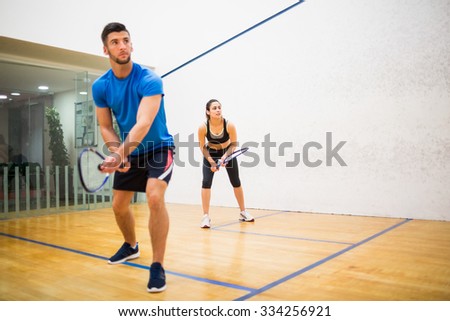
24,79
24,66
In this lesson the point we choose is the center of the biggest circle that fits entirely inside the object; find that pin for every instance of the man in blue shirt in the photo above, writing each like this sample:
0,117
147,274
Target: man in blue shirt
142,158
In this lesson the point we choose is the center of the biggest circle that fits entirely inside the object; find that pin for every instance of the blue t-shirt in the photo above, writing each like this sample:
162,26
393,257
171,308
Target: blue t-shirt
123,96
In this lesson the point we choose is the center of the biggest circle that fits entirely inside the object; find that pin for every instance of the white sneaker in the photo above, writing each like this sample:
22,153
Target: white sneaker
246,217
206,221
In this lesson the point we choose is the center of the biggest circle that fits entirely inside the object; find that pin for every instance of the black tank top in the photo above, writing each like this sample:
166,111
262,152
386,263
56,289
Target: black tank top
223,137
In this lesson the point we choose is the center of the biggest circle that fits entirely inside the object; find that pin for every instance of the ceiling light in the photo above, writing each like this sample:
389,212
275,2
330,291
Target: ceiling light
3,97
43,87
15,94
84,93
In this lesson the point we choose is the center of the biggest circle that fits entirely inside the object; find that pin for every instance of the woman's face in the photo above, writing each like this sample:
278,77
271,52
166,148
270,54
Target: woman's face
215,110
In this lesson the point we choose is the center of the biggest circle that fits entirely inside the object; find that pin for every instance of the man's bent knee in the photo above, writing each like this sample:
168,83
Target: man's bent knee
121,202
155,193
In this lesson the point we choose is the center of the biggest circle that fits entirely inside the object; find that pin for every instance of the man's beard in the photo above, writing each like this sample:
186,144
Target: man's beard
120,61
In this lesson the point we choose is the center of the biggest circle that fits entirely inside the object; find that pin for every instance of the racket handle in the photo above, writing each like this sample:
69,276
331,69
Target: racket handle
99,166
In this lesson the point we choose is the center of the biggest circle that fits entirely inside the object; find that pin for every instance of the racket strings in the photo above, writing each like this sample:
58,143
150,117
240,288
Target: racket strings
236,153
91,176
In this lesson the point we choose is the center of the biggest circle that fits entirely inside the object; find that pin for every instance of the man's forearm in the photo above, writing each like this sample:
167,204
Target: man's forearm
112,141
133,140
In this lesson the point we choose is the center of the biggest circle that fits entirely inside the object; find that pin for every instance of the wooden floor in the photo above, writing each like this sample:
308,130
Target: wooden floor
283,256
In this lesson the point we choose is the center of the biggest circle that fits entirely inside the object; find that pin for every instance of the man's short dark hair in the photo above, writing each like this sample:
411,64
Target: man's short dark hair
112,27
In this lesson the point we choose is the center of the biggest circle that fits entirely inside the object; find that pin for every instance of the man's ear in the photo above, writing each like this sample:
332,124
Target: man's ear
105,51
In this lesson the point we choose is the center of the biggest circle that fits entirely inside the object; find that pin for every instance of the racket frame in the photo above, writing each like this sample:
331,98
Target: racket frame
80,172
234,154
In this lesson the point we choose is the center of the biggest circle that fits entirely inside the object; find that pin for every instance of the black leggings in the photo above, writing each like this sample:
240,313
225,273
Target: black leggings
232,169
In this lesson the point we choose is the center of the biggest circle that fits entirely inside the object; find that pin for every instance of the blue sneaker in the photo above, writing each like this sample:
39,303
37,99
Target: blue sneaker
157,282
126,252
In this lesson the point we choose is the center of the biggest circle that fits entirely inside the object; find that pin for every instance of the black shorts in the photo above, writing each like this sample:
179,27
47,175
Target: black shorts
232,169
156,164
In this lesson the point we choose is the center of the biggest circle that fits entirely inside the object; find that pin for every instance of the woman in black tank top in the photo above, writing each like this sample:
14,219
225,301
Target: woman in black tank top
218,139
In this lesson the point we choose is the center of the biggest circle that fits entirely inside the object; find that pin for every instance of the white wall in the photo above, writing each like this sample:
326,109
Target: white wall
375,74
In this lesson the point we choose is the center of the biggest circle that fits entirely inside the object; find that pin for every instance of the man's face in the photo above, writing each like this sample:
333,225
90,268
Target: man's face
118,47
